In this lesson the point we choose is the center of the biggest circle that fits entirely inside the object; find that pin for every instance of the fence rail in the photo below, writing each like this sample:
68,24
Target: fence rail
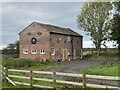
84,84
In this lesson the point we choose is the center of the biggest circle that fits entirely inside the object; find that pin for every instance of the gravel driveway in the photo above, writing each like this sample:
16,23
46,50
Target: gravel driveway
76,66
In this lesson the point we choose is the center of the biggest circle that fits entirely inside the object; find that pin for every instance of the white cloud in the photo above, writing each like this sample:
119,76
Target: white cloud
16,16
110,44
0,23
2,47
46,0
59,0
88,44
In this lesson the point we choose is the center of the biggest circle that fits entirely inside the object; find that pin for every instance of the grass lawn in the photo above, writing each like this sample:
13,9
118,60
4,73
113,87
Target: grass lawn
106,70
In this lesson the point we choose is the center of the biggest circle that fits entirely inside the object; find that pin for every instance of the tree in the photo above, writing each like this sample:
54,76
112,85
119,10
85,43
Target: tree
94,18
17,47
115,30
12,48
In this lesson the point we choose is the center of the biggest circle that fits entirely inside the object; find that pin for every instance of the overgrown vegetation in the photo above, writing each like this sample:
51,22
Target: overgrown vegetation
16,63
109,53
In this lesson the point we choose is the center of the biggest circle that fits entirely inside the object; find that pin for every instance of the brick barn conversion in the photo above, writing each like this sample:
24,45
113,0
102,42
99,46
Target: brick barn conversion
43,41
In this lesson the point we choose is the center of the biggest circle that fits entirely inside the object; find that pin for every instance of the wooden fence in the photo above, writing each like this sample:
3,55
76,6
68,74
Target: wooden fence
84,84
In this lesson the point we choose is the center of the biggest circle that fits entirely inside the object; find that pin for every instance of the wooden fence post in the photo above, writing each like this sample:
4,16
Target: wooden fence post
84,80
2,71
5,73
106,88
54,80
31,78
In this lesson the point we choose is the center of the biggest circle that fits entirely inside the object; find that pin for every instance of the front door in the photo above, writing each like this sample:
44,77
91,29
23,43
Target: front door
52,53
64,54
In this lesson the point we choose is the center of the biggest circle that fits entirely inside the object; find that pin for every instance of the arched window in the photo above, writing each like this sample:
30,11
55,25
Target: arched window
33,51
25,51
42,51
52,51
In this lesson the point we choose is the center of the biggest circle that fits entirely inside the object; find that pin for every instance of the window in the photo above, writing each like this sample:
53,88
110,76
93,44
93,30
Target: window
77,41
68,38
25,51
59,39
71,41
42,51
74,54
33,51
33,40
52,51
65,41
50,39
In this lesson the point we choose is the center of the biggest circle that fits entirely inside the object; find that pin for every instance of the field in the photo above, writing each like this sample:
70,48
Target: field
110,69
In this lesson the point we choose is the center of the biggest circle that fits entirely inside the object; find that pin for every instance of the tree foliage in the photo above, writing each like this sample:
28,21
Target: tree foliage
115,30
12,48
94,18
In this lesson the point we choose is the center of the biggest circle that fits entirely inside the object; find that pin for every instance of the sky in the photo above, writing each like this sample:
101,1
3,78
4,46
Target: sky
18,15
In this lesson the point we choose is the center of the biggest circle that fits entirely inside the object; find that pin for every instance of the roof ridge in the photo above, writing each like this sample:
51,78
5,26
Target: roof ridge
53,25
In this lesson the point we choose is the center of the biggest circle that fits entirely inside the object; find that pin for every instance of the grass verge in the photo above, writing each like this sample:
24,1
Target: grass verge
106,70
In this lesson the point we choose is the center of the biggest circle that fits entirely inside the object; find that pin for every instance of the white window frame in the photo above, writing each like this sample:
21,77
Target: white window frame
53,51
81,54
25,51
74,53
68,38
34,51
42,51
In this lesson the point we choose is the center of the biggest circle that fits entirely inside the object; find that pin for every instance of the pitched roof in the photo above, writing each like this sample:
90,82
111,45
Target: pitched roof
57,29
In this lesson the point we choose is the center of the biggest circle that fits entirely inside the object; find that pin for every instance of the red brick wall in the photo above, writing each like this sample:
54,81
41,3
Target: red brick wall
43,42
76,44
